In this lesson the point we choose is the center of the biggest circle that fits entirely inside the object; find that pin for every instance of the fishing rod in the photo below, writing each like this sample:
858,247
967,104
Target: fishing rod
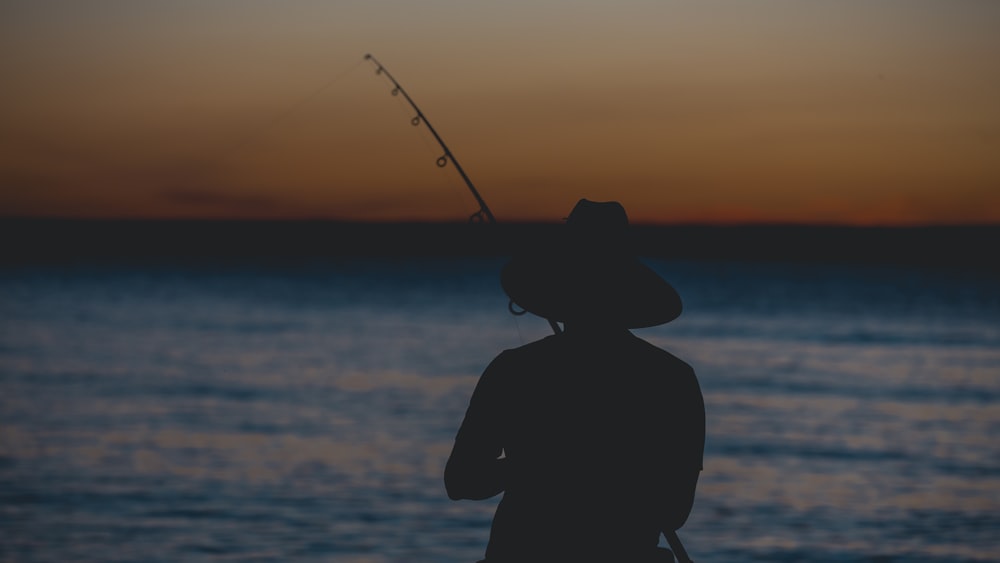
484,214
677,547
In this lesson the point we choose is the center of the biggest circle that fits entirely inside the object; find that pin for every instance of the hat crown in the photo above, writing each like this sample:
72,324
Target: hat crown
602,223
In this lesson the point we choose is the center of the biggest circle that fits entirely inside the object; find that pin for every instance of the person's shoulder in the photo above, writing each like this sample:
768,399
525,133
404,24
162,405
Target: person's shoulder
646,347
653,353
527,352
533,349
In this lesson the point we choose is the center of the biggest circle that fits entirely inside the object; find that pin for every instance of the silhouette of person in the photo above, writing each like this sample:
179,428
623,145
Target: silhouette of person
594,436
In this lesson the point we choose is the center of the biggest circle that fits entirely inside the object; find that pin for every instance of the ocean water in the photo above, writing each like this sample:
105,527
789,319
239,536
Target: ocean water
172,411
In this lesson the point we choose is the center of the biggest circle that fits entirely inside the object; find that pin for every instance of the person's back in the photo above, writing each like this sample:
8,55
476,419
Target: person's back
597,430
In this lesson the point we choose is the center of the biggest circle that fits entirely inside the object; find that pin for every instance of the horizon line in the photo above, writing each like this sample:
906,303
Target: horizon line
458,222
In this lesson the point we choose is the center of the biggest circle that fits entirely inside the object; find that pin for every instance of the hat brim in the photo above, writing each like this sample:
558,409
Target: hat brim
613,290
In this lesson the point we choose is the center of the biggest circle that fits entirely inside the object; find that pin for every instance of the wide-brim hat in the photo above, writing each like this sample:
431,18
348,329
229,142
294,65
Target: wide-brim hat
587,274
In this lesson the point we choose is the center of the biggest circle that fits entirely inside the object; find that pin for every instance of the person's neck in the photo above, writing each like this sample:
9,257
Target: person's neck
593,329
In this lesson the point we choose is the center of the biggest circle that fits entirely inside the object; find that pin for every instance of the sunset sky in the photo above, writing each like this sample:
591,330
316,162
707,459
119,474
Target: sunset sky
855,112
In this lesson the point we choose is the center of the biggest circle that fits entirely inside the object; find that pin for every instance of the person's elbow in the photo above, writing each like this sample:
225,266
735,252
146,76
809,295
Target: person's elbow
453,487
680,502
465,481
676,520
453,493
456,481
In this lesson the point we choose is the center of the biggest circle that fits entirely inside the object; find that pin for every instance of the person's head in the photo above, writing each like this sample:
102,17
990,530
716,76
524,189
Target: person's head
588,276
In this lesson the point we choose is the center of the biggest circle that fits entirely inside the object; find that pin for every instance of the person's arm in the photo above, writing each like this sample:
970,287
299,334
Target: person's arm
474,469
679,499
688,448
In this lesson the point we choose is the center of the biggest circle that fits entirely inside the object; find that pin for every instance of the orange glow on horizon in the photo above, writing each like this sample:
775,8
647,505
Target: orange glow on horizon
773,113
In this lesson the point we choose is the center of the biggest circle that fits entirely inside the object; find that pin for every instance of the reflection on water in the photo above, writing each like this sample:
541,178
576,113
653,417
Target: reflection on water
177,413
